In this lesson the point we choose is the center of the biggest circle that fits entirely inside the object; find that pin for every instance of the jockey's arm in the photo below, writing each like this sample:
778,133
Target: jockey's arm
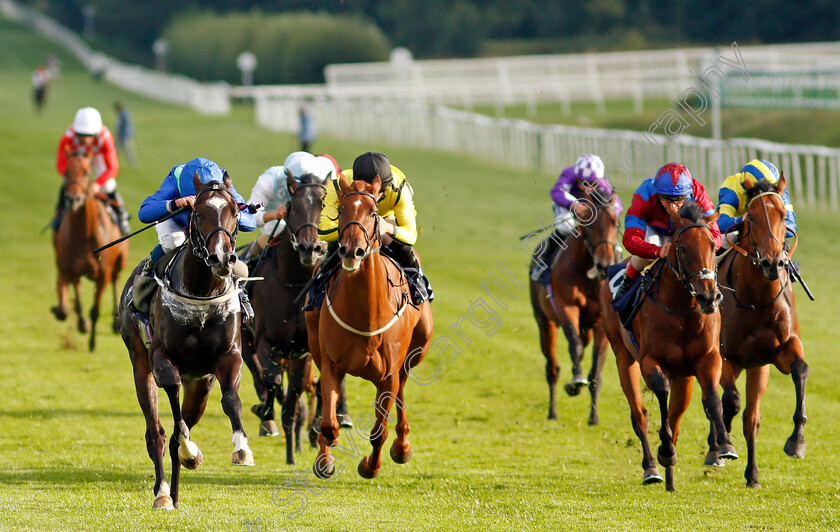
247,222
263,192
790,219
160,203
405,231
328,226
728,202
61,156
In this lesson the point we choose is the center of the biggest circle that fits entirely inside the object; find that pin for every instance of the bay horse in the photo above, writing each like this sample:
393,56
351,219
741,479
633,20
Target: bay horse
571,302
367,327
195,318
86,224
279,339
760,325
677,331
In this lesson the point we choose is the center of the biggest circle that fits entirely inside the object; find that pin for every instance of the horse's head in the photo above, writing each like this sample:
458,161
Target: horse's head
214,224
358,221
303,216
692,255
76,180
600,232
764,225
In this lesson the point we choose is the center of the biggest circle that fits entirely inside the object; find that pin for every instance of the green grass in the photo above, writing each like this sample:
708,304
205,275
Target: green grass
72,453
794,126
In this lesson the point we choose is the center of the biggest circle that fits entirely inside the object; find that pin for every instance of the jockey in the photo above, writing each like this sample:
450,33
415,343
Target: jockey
272,191
586,175
648,227
732,198
399,234
177,191
87,134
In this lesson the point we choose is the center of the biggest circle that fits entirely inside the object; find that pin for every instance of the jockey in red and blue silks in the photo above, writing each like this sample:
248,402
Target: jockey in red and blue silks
648,226
586,174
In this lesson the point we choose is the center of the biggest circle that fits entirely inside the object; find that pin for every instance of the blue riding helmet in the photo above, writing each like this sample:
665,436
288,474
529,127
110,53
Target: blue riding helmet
673,180
208,171
759,169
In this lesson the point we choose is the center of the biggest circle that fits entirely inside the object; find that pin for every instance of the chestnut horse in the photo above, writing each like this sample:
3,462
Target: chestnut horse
678,334
572,303
279,336
86,225
367,327
195,316
760,325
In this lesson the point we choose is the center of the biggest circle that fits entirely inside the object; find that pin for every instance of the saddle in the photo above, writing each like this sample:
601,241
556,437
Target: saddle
628,305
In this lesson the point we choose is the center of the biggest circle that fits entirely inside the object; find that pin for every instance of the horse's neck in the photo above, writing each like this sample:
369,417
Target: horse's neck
672,293
577,251
368,287
84,221
196,278
749,281
287,263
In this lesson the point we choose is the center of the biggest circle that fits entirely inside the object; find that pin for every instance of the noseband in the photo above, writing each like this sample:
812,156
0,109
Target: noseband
374,235
197,240
293,233
679,271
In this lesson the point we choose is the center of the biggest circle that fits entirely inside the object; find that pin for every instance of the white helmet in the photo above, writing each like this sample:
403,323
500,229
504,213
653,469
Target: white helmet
88,121
301,163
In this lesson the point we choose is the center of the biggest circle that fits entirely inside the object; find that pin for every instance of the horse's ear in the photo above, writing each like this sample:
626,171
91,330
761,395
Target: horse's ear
227,180
712,218
197,184
780,186
375,185
748,184
290,181
674,214
343,185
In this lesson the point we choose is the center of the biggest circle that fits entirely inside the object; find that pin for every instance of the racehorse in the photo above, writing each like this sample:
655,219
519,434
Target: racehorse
196,338
367,327
677,332
86,225
571,302
760,325
279,333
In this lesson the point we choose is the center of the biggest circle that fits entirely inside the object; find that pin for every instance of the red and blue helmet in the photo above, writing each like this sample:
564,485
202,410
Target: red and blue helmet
673,180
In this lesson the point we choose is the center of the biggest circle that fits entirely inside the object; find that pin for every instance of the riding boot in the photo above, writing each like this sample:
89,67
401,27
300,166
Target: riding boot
543,263
421,287
344,419
144,285
119,208
59,209
625,285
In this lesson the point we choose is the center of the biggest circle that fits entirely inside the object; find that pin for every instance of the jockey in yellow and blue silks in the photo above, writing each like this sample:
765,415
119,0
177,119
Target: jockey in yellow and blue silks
732,198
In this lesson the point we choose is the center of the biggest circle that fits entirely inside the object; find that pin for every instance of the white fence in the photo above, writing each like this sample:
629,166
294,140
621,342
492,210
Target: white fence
813,171
209,98
773,89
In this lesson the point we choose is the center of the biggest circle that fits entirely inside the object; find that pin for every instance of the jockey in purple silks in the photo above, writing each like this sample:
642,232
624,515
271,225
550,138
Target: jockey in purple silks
586,174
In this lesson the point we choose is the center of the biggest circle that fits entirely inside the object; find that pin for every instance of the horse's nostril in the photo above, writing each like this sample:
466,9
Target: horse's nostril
718,297
359,253
765,264
232,259
342,251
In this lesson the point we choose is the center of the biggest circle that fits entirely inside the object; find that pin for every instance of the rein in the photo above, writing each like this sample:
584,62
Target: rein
756,258
368,239
679,271
199,242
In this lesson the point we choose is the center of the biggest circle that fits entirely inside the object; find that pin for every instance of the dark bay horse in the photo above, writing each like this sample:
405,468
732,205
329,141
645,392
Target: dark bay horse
760,325
572,302
195,317
366,327
677,331
86,224
279,338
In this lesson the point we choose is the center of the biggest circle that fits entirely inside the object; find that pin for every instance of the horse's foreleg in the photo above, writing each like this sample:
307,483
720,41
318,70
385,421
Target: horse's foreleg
678,404
266,376
794,352
548,342
82,324
60,310
195,401
401,448
147,396
168,377
324,466
115,300
659,384
708,374
629,375
599,355
296,371
571,329
731,404
101,284
757,379
385,395
228,371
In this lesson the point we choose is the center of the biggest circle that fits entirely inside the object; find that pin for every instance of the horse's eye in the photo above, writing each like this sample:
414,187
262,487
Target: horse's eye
683,251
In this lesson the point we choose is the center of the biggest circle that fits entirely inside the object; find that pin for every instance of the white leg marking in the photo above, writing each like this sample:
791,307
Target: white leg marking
240,441
188,450
164,490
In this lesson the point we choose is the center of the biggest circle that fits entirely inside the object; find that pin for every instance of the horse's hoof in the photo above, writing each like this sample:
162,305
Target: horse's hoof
345,421
163,502
651,476
191,463
795,449
594,420
727,452
365,471
753,484
575,386
552,414
243,458
712,460
83,326
269,428
666,461
401,459
322,472
60,315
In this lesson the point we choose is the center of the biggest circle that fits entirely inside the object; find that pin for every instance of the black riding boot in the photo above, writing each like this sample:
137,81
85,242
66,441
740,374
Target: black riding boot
421,288
344,419
59,209
625,285
321,279
543,263
122,213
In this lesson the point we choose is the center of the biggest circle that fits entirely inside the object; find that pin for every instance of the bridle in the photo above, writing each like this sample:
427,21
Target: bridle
592,247
293,233
368,238
679,270
756,257
197,240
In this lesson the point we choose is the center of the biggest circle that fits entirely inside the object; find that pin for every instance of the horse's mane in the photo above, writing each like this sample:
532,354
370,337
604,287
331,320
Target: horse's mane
761,187
309,179
691,210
